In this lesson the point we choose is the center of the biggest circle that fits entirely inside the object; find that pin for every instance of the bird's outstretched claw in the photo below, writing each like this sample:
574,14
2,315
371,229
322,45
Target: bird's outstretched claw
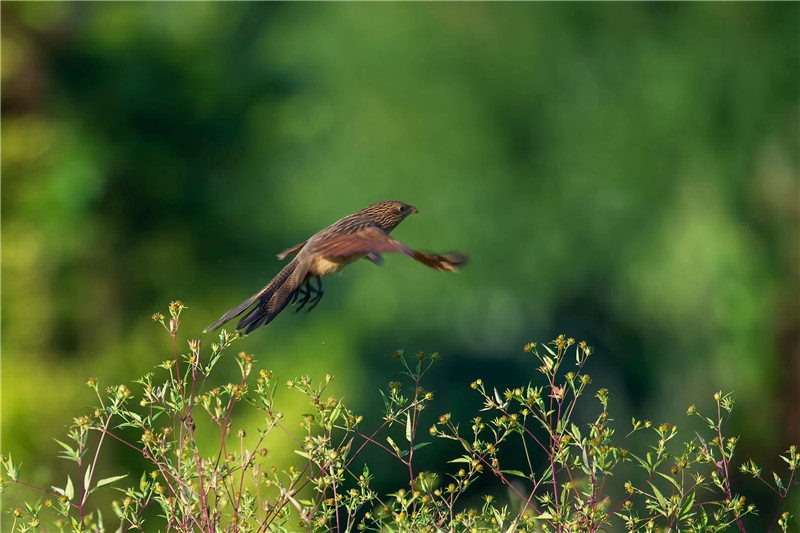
318,296
307,295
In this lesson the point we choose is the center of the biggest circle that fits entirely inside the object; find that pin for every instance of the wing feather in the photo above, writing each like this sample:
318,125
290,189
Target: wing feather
291,251
372,241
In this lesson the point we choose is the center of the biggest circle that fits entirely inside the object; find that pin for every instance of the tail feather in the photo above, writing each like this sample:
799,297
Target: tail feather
272,299
444,262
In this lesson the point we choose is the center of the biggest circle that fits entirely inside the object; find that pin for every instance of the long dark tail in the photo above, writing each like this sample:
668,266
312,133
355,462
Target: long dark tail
272,299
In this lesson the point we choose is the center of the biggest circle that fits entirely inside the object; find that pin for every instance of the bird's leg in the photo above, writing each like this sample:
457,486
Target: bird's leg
295,295
318,296
375,258
302,296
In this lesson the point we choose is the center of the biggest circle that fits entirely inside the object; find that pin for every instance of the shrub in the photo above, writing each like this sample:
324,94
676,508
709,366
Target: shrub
680,486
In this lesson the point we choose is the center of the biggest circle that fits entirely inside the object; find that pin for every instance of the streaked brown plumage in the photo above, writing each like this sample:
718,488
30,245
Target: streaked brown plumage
365,234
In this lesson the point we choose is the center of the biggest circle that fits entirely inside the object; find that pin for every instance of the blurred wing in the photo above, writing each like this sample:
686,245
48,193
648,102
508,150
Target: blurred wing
291,251
373,241
450,262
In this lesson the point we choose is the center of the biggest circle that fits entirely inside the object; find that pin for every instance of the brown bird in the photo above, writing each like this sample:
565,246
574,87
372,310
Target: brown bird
365,234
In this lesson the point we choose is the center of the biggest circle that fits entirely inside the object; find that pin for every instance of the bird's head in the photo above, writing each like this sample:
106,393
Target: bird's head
389,214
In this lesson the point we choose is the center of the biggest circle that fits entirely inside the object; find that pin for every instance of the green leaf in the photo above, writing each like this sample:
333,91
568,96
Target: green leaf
11,470
214,358
778,482
32,510
65,446
587,467
687,506
703,517
335,414
420,445
109,480
516,473
70,454
661,500
394,446
641,461
387,401
69,490
87,477
670,479
460,460
497,398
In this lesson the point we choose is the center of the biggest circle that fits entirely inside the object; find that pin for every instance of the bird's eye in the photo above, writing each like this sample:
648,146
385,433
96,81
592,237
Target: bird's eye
403,208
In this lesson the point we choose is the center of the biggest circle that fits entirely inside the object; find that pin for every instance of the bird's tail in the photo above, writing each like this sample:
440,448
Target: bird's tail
445,262
271,300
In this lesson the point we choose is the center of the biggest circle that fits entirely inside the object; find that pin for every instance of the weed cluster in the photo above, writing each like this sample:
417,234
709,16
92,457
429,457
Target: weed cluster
682,487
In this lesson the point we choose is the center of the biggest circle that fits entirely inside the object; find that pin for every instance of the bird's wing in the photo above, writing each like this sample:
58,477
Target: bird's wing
373,241
275,296
271,299
291,251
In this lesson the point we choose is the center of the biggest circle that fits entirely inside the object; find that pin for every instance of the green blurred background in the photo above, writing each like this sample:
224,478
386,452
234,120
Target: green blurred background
623,173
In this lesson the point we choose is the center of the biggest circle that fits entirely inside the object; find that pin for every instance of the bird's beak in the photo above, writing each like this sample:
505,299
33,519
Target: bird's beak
413,210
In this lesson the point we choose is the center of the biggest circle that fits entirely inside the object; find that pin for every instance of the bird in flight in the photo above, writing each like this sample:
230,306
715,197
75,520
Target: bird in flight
364,234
